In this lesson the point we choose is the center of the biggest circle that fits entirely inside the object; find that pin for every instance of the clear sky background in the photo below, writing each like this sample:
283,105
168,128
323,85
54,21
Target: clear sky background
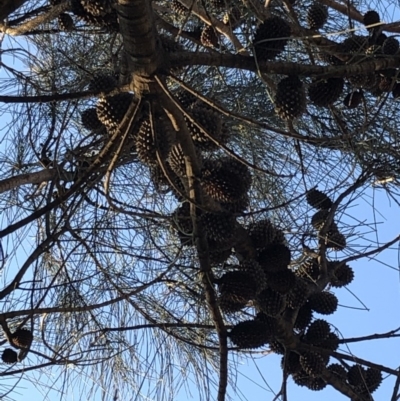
369,305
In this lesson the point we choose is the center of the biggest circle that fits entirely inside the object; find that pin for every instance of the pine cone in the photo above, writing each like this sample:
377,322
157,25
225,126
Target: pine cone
290,98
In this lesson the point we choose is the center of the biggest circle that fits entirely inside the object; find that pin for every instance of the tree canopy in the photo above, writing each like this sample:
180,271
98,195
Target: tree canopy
178,180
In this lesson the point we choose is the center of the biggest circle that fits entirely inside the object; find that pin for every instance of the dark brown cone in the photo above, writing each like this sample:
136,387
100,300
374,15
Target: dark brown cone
111,109
390,46
270,302
277,347
290,363
342,276
373,379
312,363
324,93
208,37
354,44
317,16
297,296
338,370
304,317
178,8
65,22
9,356
282,281
318,199
225,179
353,99
356,375
318,219
324,303
263,233
102,82
219,226
274,258
90,120
237,207
22,338
228,305
335,240
290,98
312,383
240,286
271,38
250,334
331,342
371,17
252,267
317,332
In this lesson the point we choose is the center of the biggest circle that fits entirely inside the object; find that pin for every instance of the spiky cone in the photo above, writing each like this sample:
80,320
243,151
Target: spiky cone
263,233
238,286
317,332
97,8
250,334
338,370
298,295
182,223
102,82
312,383
209,37
277,347
324,93
22,338
290,363
356,375
353,99
374,379
108,20
354,45
176,160
225,179
318,219
270,38
313,364
331,343
270,322
309,270
318,199
154,141
111,109
290,98
210,122
282,282
390,46
324,302
358,81
237,207
229,305
185,98
90,120
65,22
342,275
371,17
9,356
217,254
317,16
335,240
274,258
219,226
177,7
252,267
304,317
270,302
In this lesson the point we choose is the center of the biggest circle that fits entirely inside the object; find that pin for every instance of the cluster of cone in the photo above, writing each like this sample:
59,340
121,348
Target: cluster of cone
98,13
272,36
22,340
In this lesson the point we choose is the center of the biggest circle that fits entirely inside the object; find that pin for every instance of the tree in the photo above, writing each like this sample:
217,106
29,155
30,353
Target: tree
160,213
